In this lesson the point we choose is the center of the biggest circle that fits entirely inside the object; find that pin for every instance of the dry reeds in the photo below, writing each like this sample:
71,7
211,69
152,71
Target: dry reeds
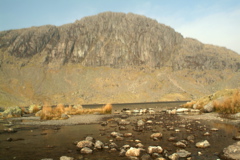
49,112
229,105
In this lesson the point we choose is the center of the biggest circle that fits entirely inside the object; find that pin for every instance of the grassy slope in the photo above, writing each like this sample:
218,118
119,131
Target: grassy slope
74,84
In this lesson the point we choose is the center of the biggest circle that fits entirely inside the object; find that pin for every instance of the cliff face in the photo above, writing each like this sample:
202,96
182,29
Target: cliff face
107,39
116,40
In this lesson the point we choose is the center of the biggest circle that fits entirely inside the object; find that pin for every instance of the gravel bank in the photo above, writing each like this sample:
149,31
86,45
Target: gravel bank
73,120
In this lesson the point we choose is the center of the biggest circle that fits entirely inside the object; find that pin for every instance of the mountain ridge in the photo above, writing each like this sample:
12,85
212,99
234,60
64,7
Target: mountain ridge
108,45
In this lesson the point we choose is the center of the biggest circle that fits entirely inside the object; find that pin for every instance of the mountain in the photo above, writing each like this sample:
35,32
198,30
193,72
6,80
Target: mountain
110,57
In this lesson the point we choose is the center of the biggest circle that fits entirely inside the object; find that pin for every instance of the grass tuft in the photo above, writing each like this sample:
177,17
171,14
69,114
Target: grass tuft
49,112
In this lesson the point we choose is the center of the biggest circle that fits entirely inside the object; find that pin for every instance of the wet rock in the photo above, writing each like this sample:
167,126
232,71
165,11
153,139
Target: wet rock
98,145
183,153
174,156
174,111
104,123
154,149
122,128
126,146
139,145
180,144
84,143
172,139
66,158
156,135
138,141
89,138
140,123
123,122
191,138
12,112
86,150
214,129
11,130
206,134
231,152
133,152
156,155
113,145
149,122
151,111
124,116
146,157
133,158
115,134
203,144
122,152
127,134
208,107
181,110
119,138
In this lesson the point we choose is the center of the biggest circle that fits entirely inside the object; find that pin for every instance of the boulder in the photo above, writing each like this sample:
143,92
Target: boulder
140,123
89,138
133,152
183,153
154,149
174,156
203,144
231,152
180,144
84,143
156,135
208,107
98,145
86,150
116,134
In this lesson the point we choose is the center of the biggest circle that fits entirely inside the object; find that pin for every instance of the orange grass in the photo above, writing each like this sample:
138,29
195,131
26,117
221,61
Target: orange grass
35,109
49,112
229,105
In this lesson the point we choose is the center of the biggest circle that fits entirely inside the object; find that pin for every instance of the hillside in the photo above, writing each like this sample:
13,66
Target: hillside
110,57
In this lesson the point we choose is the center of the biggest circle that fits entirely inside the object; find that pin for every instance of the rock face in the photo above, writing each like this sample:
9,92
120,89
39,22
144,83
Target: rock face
107,39
55,63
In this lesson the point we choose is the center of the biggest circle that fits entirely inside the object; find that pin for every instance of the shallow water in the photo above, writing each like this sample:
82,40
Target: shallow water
38,142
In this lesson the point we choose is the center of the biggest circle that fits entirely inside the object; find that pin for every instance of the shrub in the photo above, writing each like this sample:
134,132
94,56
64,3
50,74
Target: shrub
229,105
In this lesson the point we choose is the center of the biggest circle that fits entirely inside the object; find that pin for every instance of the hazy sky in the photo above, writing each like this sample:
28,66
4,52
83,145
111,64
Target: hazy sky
210,21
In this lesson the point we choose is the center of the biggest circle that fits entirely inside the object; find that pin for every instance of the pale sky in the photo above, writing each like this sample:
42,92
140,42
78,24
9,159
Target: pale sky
210,21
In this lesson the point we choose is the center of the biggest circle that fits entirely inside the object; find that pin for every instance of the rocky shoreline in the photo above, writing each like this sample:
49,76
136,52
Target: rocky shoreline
186,132
144,134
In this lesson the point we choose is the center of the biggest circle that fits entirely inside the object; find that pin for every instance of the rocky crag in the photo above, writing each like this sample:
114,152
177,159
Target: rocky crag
110,57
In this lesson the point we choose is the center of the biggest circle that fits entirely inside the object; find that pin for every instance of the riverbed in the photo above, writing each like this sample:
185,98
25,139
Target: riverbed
33,139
